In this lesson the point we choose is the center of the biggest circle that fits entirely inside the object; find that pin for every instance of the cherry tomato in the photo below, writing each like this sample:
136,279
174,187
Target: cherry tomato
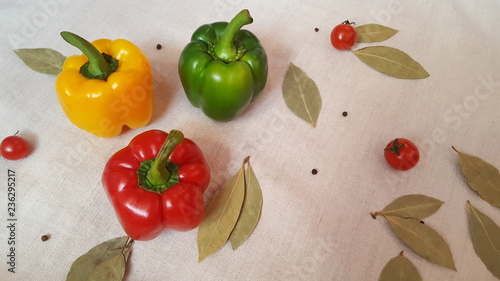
401,154
344,36
14,148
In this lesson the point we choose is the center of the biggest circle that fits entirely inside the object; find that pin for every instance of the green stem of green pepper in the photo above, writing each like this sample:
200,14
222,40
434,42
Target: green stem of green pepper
158,174
99,66
225,49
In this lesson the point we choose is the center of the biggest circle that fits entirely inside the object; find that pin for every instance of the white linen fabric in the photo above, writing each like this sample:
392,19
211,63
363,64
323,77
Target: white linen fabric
313,227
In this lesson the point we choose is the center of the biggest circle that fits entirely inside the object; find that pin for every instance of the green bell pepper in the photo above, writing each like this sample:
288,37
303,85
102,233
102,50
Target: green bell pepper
223,68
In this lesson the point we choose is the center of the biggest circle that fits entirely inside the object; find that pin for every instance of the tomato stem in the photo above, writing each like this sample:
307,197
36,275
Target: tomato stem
396,147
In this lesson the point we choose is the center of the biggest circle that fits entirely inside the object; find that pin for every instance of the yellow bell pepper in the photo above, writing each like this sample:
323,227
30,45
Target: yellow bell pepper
106,88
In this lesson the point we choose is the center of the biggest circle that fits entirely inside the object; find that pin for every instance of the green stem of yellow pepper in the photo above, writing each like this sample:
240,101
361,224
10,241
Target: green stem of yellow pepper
99,66
225,48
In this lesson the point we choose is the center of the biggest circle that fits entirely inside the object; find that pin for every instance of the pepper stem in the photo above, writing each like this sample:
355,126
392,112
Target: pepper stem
99,66
225,49
158,174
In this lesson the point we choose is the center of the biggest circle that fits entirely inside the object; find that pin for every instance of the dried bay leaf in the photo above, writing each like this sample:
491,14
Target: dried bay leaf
221,216
481,176
43,60
103,262
416,206
370,33
250,211
301,95
391,61
422,239
112,269
233,214
485,235
399,269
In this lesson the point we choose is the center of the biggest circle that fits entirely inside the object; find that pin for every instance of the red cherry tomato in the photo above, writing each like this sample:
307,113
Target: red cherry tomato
343,36
401,154
14,148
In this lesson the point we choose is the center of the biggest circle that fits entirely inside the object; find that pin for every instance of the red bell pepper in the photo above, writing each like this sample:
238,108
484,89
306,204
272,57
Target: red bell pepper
157,183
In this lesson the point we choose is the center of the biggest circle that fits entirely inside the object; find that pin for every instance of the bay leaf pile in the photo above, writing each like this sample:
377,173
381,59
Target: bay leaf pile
388,60
232,214
483,178
404,216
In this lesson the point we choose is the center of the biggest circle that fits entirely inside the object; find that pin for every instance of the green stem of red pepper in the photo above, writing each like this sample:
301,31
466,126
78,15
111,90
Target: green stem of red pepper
159,174
99,66
225,49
